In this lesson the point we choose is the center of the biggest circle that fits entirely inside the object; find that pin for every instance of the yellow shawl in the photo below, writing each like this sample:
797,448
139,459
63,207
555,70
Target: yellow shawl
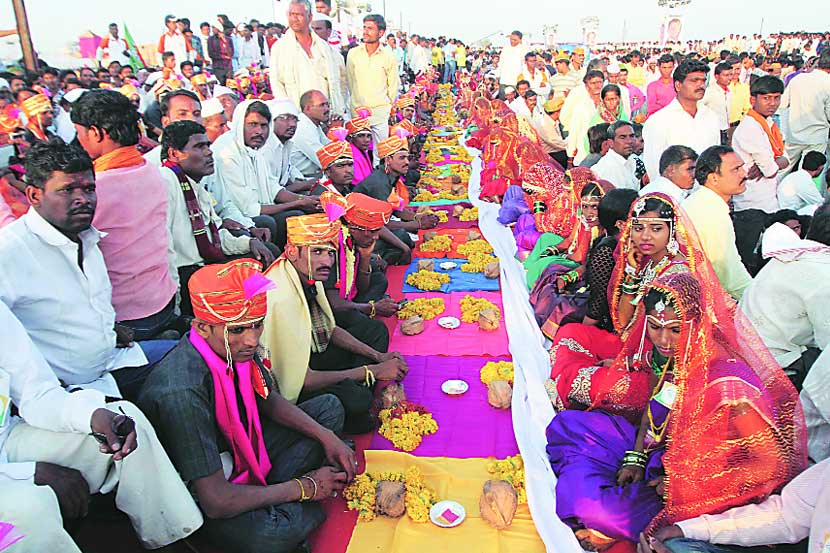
287,333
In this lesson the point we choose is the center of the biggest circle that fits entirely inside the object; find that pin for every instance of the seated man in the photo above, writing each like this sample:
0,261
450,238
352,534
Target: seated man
337,160
618,166
251,458
54,280
50,462
798,190
310,354
311,133
357,289
244,177
677,173
789,299
285,127
178,105
198,233
386,184
799,512
131,214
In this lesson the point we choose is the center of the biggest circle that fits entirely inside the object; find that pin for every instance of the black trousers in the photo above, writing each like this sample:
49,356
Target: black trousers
281,528
749,224
391,254
560,157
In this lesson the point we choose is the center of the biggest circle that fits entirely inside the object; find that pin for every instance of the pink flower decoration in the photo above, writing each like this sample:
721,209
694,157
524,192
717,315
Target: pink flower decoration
339,133
257,284
334,211
8,535
363,113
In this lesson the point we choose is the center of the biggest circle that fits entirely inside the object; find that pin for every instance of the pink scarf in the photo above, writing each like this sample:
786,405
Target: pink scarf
362,165
250,458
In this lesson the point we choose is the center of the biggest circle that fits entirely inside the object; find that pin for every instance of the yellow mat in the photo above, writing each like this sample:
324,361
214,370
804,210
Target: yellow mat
456,479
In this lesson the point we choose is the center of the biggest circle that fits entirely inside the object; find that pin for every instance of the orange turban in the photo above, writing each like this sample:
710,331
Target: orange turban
358,124
407,125
311,230
334,151
35,105
367,212
232,294
198,79
128,90
405,101
391,145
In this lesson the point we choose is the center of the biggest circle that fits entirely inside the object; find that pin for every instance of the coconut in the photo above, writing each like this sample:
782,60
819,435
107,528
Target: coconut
498,503
412,326
488,320
499,394
473,235
457,210
390,498
491,270
392,395
426,264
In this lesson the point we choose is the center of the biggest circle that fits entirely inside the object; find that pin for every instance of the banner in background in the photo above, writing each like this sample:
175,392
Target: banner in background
671,30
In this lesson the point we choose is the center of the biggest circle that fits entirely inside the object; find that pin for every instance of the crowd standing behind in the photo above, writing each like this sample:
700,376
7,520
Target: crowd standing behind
159,224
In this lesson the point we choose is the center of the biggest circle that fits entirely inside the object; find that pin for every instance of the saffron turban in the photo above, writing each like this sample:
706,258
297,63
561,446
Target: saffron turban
391,145
367,212
406,101
359,124
333,152
35,105
407,125
310,230
198,79
231,294
553,105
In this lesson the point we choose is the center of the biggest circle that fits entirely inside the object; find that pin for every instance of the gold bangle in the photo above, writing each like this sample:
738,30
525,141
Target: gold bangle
303,496
315,486
370,377
373,312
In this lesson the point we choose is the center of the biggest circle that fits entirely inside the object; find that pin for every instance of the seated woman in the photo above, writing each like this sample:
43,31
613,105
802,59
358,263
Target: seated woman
609,110
722,425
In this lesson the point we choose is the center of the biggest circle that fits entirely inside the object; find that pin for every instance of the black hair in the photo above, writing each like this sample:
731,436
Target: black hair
820,225
523,81
377,19
767,84
327,23
591,189
45,157
260,108
184,63
780,216
67,73
114,62
654,296
609,88
656,205
518,34
675,155
614,206
164,101
166,56
530,94
177,134
530,55
204,24
723,66
813,160
109,111
50,71
596,136
710,162
688,67
17,94
185,22
615,126
306,97
593,74
638,129
665,58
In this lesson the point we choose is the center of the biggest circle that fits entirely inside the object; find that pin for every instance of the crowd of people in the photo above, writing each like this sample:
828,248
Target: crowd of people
220,228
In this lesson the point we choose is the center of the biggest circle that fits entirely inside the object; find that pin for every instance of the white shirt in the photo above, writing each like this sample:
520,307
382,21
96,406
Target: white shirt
181,230
549,132
617,170
114,48
307,140
807,99
174,43
798,190
666,186
279,159
511,63
419,60
67,312
27,381
788,301
673,125
718,100
710,216
815,399
751,143
802,510
249,52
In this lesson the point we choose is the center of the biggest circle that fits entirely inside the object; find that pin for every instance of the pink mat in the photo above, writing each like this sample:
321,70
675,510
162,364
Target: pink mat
467,425
453,222
467,339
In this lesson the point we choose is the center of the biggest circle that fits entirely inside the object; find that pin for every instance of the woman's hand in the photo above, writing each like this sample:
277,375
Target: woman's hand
630,474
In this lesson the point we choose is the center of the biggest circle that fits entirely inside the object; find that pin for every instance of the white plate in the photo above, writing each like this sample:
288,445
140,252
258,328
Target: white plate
448,265
449,323
445,508
454,387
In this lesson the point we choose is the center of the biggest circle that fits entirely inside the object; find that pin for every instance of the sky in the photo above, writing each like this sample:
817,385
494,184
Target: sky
56,23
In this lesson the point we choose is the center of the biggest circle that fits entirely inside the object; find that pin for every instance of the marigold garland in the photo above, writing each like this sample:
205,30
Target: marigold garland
472,306
475,246
427,196
406,424
497,370
427,280
441,243
477,262
469,214
510,470
443,216
361,494
426,308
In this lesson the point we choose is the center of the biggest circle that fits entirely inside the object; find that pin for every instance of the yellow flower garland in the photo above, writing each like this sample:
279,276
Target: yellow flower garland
470,214
441,243
511,470
443,216
427,280
471,307
497,370
426,308
477,262
361,494
407,430
475,246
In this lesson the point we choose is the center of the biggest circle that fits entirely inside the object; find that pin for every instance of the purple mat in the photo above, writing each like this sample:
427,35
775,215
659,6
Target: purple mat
454,222
467,425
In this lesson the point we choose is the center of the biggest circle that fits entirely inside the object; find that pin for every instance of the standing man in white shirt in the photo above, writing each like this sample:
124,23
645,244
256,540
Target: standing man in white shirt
677,173
372,71
113,47
511,61
173,41
721,175
807,98
250,54
718,96
798,189
683,121
618,166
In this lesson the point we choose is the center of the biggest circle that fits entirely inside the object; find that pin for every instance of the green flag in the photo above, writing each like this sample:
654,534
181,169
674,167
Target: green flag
136,61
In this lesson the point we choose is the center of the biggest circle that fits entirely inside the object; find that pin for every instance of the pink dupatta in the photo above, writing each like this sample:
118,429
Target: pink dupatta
362,166
250,458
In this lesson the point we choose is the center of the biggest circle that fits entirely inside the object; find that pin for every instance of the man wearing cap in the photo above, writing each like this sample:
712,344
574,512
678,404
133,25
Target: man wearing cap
565,80
228,98
279,157
578,63
310,354
337,161
372,71
214,119
221,52
39,117
253,460
357,289
173,40
386,184
550,131
359,130
404,109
